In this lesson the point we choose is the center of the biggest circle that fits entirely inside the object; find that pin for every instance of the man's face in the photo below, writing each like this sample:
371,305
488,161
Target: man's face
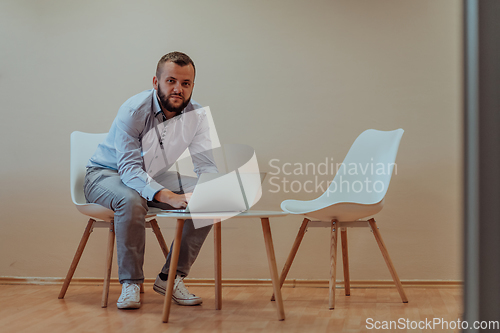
174,86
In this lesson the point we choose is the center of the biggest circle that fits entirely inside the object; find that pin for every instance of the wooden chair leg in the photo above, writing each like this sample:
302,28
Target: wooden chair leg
76,258
388,260
174,259
142,288
293,252
272,267
109,263
218,264
345,260
159,237
333,264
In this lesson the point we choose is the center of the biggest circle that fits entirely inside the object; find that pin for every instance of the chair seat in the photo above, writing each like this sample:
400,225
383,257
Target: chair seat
102,213
96,211
342,211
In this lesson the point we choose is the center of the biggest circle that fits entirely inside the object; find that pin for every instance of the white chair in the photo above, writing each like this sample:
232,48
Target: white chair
83,145
356,192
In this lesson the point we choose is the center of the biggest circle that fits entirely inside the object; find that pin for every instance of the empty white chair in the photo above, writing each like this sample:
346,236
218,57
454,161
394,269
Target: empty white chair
356,192
83,146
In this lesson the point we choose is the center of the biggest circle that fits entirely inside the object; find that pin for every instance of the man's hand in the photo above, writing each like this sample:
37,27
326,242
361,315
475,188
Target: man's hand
174,200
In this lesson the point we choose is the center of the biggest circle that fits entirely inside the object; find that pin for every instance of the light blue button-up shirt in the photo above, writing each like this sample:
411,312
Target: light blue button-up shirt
132,137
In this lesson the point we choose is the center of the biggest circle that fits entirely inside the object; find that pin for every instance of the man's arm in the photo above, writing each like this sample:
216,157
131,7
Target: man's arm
129,127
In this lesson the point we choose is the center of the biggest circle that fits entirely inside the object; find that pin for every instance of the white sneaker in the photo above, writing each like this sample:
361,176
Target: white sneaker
130,297
180,295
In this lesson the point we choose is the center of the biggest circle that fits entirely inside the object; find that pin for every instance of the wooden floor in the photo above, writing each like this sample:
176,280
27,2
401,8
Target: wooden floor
36,308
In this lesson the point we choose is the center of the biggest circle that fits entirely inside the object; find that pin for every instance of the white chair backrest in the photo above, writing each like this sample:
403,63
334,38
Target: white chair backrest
366,172
83,146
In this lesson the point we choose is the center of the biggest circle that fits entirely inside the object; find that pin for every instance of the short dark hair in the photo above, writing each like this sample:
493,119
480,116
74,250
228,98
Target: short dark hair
178,58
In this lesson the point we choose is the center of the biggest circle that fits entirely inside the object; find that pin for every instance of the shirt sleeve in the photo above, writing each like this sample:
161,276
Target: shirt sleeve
201,149
129,126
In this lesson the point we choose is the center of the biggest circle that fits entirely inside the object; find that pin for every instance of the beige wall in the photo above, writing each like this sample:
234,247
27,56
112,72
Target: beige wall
297,80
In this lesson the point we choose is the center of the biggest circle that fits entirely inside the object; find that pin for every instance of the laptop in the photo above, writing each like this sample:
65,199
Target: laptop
224,192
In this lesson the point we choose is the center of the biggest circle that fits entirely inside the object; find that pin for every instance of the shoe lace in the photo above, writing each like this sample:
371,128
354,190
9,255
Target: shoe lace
181,288
130,290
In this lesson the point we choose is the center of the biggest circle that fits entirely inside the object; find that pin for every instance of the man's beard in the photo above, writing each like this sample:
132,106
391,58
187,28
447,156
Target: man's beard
165,103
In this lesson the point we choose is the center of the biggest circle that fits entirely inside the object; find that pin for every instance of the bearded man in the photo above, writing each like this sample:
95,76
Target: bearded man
121,178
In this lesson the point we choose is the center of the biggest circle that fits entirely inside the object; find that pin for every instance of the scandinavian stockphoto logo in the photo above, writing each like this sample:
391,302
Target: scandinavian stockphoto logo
438,324
221,178
367,176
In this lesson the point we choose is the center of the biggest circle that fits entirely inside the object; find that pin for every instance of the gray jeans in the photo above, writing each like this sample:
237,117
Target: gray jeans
104,187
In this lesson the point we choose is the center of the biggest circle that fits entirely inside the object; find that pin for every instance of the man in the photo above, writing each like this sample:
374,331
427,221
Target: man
124,173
